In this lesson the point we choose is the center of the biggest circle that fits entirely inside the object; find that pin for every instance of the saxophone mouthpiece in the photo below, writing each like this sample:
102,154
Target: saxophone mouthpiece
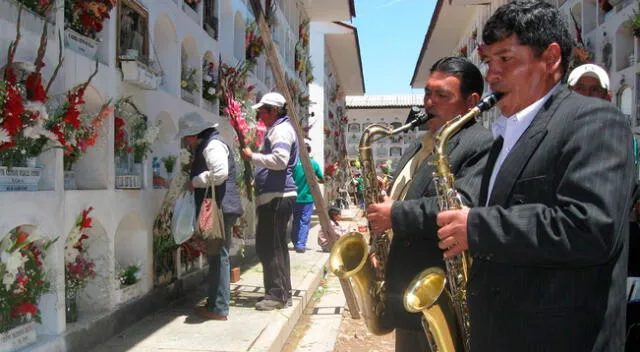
417,117
489,101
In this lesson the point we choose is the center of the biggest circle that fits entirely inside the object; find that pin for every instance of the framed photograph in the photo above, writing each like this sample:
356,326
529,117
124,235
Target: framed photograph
133,30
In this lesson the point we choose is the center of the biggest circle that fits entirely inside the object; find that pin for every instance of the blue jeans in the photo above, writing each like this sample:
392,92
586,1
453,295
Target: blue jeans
300,226
220,272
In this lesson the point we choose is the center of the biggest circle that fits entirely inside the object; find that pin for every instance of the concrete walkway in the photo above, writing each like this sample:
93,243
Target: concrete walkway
177,328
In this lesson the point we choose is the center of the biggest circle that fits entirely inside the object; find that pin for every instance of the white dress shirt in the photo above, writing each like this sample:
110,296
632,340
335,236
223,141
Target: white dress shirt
511,129
216,156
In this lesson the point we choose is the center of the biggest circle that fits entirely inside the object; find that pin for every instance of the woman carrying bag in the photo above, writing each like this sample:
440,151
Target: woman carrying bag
213,169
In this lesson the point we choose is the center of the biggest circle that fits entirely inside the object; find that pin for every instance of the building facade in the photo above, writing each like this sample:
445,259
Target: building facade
390,111
603,28
162,55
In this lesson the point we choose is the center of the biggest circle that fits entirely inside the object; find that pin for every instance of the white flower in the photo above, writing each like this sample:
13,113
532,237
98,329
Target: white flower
37,131
4,136
185,156
207,78
27,67
13,262
39,108
211,91
152,134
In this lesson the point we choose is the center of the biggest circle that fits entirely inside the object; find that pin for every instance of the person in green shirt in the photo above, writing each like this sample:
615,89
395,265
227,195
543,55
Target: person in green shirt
304,204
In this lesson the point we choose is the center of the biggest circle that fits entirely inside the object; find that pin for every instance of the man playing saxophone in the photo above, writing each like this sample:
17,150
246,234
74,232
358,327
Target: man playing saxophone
454,86
550,239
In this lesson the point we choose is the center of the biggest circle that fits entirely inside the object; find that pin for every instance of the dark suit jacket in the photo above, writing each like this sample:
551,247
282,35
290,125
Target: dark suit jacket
415,243
550,250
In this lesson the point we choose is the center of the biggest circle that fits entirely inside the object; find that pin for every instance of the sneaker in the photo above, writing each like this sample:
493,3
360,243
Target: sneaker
300,250
269,304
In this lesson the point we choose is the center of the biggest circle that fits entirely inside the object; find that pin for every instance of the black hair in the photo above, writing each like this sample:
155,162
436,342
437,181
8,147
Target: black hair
282,111
206,132
333,211
535,23
471,80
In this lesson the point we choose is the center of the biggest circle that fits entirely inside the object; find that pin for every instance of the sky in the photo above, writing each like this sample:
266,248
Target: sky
391,33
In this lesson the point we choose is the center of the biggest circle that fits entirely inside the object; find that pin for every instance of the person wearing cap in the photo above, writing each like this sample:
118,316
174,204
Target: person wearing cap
304,204
591,81
276,195
213,163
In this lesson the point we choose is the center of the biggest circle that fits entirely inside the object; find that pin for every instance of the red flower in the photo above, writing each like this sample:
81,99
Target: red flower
85,223
35,90
22,237
24,308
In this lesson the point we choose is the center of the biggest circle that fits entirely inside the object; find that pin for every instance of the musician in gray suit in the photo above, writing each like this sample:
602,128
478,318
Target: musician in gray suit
550,242
453,87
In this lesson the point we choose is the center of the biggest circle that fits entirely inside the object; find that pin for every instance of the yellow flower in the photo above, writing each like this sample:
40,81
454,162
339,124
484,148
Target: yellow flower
183,84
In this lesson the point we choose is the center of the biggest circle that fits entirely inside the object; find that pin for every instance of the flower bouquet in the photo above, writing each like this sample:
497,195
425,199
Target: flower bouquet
330,169
79,269
253,42
234,96
192,3
209,83
131,133
23,276
188,79
77,131
633,23
87,17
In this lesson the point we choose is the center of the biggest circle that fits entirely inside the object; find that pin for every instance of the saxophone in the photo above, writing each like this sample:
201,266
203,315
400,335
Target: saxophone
434,292
349,258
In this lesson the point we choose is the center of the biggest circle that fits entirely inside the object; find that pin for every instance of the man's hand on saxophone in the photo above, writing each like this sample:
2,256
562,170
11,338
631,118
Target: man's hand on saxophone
453,231
379,215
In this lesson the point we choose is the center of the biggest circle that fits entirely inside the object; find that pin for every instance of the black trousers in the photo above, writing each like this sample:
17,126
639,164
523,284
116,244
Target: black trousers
411,341
272,247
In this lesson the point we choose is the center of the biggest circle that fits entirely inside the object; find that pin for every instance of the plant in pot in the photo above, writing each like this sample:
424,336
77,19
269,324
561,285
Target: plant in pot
633,22
41,7
169,164
130,275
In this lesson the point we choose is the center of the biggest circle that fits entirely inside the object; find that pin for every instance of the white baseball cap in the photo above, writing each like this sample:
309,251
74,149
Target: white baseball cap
273,99
590,70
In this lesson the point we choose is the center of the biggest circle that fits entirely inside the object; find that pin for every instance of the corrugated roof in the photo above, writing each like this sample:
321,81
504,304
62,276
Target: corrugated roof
379,101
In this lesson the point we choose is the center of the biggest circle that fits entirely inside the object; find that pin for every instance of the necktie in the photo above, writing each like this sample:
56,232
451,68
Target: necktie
486,177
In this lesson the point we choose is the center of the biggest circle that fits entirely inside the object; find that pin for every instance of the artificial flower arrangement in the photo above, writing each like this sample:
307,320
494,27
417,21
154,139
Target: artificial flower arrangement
41,7
24,279
87,17
79,269
253,43
234,94
209,82
25,129
132,135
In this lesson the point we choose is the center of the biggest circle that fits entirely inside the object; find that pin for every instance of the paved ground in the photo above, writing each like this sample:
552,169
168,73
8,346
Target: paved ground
177,328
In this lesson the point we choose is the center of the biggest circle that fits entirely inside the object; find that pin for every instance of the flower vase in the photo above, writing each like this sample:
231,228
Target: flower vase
137,169
70,180
71,307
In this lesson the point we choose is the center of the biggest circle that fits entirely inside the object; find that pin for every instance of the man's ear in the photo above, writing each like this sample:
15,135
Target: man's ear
472,100
552,56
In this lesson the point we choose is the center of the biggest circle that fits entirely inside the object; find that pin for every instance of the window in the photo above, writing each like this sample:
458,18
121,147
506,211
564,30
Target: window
133,35
395,152
354,127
